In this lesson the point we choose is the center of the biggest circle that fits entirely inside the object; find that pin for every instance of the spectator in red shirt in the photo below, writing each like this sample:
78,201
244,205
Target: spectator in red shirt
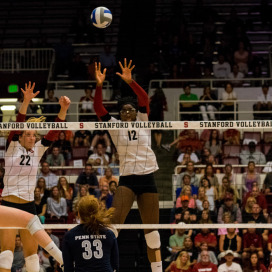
254,264
252,243
205,264
206,236
260,198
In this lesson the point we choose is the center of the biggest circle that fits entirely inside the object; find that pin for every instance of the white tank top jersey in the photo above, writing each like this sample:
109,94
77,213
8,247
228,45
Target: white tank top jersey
134,149
21,168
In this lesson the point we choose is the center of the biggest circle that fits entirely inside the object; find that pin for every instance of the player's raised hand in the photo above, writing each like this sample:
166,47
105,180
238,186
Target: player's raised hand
126,71
64,102
99,76
28,91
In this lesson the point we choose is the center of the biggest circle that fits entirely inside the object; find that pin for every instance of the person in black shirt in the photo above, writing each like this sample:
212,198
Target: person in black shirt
87,178
91,246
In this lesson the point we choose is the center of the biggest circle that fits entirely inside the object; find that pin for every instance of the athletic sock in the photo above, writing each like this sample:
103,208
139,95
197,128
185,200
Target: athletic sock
156,267
55,252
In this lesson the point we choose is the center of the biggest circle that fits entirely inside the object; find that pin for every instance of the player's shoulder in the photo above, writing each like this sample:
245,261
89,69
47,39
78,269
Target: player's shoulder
74,231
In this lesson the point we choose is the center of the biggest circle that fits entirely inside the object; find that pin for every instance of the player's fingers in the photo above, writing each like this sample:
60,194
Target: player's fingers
99,67
22,90
132,67
33,86
118,74
129,64
95,66
125,62
29,85
104,71
121,65
35,94
25,86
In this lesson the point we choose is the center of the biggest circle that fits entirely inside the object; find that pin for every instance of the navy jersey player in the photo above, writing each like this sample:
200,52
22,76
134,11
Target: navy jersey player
22,158
137,160
91,246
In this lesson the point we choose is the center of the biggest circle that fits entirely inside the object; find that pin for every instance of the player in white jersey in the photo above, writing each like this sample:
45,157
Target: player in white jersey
21,164
137,160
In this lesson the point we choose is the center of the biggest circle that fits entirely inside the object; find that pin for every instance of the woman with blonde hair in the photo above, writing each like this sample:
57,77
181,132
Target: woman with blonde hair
247,211
200,198
91,246
66,191
182,263
186,190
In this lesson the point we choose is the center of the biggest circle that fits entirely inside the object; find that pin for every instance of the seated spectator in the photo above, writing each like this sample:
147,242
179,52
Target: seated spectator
236,76
108,177
45,193
234,210
47,262
260,198
228,97
251,154
208,107
214,144
225,189
188,247
193,157
82,138
185,218
185,159
230,175
231,137
187,106
64,146
185,204
229,265
264,101
186,195
56,205
86,106
247,211
182,263
54,238
204,247
176,241
209,173
50,178
201,198
221,69
40,204
112,187
101,155
206,207
190,170
83,191
252,243
115,164
250,177
50,105
205,263
186,181
18,255
205,218
55,158
267,185
241,58
230,241
87,178
104,196
66,191
206,236
205,153
101,137
210,191
227,220
254,264
269,245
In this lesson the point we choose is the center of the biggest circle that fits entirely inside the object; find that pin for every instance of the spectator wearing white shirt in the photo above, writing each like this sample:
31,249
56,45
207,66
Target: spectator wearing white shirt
228,97
264,100
222,68
236,76
229,265
99,156
50,178
193,156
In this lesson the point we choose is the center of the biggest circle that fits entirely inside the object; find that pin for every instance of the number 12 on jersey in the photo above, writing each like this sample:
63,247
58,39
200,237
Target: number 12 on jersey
132,136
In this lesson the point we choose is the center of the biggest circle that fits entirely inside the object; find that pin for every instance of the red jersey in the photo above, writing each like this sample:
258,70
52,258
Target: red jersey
199,267
252,239
210,238
174,268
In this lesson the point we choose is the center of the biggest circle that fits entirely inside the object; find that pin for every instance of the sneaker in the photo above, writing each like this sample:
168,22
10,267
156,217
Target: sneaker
166,147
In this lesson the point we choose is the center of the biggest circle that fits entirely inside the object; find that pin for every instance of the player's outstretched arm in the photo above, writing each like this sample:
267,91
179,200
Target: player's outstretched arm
64,102
137,89
100,77
28,96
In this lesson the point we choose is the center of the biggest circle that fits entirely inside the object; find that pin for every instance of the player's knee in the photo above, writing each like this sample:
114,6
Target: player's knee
32,263
153,240
34,225
6,259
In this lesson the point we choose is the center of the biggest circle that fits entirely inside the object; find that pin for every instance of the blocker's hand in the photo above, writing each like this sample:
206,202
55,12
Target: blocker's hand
99,76
126,71
64,102
28,91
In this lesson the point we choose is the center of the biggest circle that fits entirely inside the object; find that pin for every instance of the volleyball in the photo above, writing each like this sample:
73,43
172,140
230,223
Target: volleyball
101,17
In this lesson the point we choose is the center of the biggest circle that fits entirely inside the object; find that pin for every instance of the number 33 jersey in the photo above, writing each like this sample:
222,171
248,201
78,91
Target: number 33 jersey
21,168
84,252
134,149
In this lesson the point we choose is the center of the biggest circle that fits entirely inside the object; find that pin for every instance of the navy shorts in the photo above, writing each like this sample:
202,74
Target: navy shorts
139,184
27,207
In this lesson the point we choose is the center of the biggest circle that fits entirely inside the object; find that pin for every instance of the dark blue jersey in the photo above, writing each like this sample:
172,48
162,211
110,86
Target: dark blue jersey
83,252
